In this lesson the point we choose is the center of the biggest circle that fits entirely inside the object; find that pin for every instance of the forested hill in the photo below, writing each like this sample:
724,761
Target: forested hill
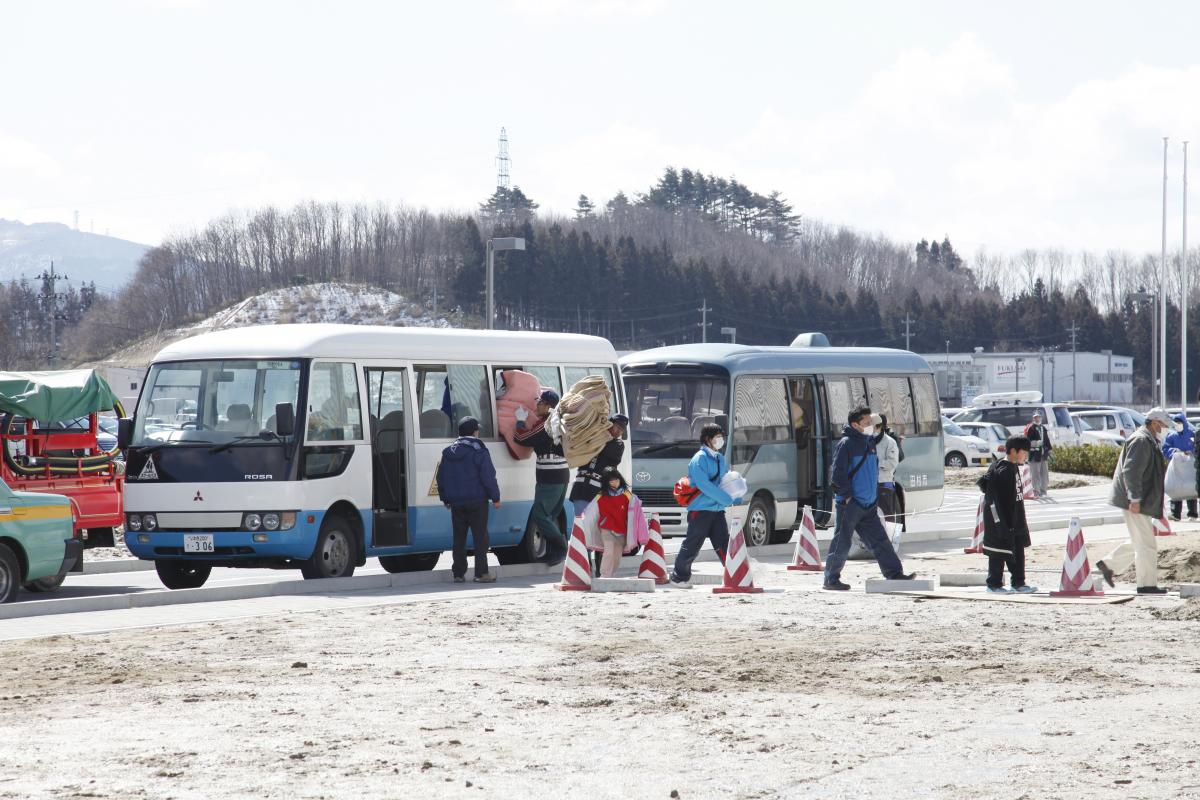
638,269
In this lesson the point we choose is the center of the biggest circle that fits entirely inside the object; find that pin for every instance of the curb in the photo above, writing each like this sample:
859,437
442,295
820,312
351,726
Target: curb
111,565
248,591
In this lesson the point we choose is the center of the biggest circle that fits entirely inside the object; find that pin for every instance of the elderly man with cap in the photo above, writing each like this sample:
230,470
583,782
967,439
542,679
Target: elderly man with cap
550,491
1039,454
466,482
1138,490
856,486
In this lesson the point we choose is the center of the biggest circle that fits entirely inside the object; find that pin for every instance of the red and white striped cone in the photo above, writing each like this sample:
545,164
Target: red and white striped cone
808,553
654,560
1077,580
1161,527
737,565
577,571
1026,482
977,537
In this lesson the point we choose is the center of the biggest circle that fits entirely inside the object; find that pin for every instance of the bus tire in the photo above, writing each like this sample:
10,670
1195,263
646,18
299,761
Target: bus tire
101,537
956,460
760,523
413,562
531,548
181,574
47,584
781,536
335,552
10,574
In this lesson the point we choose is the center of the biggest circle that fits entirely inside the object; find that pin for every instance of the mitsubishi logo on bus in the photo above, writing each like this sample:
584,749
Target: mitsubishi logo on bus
199,498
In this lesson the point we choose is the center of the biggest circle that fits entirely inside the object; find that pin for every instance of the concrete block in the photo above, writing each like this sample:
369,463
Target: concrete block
704,579
203,594
352,584
112,565
1189,590
64,605
422,578
622,584
875,585
963,579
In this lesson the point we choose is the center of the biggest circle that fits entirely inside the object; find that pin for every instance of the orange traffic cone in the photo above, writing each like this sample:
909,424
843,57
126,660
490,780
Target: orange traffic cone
1077,578
654,560
977,538
1026,482
1162,527
808,553
577,572
737,565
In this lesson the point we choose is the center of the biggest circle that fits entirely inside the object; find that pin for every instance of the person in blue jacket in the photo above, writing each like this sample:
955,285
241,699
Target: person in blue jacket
466,482
706,511
855,486
1181,440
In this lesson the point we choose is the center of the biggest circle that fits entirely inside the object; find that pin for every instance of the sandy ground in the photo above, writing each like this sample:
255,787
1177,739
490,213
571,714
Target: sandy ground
796,693
965,478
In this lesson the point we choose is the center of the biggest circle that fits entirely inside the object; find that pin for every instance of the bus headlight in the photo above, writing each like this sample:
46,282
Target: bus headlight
149,522
270,521
133,522
287,520
252,522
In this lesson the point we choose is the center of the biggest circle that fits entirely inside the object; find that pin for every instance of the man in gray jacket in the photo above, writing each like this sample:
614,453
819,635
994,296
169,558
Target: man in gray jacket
1138,485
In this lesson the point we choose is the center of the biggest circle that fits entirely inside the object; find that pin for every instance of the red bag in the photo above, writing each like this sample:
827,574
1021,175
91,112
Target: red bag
684,492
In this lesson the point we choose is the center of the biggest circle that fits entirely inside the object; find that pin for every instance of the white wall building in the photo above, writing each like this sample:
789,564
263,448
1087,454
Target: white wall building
1096,377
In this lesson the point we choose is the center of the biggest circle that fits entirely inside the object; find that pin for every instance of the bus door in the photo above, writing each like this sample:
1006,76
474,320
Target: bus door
807,428
389,482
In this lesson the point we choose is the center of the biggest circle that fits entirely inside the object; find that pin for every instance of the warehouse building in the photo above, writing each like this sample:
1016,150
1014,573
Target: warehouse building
1095,377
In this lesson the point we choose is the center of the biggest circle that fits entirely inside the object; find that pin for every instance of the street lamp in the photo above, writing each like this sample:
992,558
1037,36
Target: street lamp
731,333
1151,298
1017,362
1109,378
502,243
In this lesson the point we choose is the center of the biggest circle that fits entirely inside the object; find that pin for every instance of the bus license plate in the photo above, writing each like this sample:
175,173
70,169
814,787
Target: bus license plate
197,543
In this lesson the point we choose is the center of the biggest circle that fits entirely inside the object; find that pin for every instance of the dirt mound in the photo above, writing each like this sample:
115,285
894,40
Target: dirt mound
1177,563
1187,611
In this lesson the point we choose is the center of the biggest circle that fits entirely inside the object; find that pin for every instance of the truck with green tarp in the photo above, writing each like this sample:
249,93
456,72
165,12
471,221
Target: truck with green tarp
50,442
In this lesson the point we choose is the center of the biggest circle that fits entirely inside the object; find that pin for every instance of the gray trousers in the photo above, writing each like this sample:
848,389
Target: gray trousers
1039,472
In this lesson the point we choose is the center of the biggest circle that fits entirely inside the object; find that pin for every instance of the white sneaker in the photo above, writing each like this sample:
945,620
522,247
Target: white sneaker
680,584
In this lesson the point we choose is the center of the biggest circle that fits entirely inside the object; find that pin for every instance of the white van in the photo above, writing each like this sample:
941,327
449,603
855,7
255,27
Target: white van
961,449
1055,416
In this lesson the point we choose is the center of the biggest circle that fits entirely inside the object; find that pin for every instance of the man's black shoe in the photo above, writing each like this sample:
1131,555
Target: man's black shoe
1106,572
836,586
905,577
1151,590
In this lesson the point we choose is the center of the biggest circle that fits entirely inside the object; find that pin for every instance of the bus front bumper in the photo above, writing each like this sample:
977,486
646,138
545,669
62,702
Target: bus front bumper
294,545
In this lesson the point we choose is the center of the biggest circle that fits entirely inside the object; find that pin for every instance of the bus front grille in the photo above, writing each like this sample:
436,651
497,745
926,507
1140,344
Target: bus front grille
656,497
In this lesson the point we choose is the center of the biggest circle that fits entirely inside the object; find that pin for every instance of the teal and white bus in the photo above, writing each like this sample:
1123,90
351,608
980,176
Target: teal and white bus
783,409
315,446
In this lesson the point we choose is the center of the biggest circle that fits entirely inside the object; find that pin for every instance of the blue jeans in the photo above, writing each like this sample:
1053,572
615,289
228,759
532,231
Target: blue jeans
702,525
852,517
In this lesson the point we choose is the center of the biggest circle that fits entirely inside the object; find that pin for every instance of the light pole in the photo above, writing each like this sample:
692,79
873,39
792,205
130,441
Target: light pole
1152,298
1109,379
1017,362
731,333
502,243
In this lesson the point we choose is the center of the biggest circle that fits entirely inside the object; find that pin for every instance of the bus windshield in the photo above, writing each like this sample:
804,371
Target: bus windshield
667,412
213,402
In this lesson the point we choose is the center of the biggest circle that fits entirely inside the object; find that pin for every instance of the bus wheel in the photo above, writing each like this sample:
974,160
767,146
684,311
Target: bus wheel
48,584
10,574
759,523
181,574
333,556
781,536
415,562
532,547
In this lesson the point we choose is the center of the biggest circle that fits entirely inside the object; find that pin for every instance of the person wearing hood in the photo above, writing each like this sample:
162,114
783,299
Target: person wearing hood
856,490
466,482
888,451
1180,440
1138,490
1005,531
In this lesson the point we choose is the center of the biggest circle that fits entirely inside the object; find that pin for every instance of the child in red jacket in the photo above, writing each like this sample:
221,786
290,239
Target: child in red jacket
613,522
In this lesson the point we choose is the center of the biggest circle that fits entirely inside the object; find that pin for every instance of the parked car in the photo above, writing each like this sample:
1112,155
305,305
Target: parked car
1090,434
39,546
1119,421
962,449
950,411
1055,416
993,433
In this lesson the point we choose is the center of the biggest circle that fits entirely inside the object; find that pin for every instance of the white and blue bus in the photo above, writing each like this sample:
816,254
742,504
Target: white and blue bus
316,446
783,409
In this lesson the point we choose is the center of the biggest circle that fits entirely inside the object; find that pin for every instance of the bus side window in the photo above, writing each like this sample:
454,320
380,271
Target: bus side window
837,390
928,413
448,394
902,419
334,410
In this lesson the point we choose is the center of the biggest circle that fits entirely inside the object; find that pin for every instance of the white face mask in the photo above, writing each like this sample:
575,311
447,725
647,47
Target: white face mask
1161,434
718,443
1179,427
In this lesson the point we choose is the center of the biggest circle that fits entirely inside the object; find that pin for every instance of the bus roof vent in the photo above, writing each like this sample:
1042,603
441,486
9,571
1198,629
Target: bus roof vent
811,340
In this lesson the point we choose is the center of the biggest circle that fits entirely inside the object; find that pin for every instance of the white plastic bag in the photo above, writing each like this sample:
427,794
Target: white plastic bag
1181,477
734,485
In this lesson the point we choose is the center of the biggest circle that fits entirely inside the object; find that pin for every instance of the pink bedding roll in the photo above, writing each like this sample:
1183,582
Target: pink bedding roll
521,390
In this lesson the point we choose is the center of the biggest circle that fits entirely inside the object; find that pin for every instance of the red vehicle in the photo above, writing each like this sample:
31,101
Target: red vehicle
52,441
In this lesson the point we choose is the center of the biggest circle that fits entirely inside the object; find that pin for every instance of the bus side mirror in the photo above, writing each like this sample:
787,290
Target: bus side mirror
124,432
285,419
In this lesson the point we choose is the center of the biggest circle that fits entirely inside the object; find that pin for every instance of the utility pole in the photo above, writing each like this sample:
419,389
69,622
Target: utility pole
704,309
1183,301
1074,329
908,320
1162,294
50,300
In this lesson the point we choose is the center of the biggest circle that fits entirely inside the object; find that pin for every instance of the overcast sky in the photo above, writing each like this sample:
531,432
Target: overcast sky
1002,125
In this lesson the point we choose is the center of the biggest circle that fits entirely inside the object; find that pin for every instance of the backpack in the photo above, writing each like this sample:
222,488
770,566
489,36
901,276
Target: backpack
685,493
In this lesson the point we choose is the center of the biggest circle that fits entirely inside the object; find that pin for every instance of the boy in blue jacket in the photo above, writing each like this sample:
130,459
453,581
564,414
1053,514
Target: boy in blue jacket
466,481
855,486
706,511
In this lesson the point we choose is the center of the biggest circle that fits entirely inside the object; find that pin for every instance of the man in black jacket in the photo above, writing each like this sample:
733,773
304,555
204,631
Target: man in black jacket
1005,531
552,476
